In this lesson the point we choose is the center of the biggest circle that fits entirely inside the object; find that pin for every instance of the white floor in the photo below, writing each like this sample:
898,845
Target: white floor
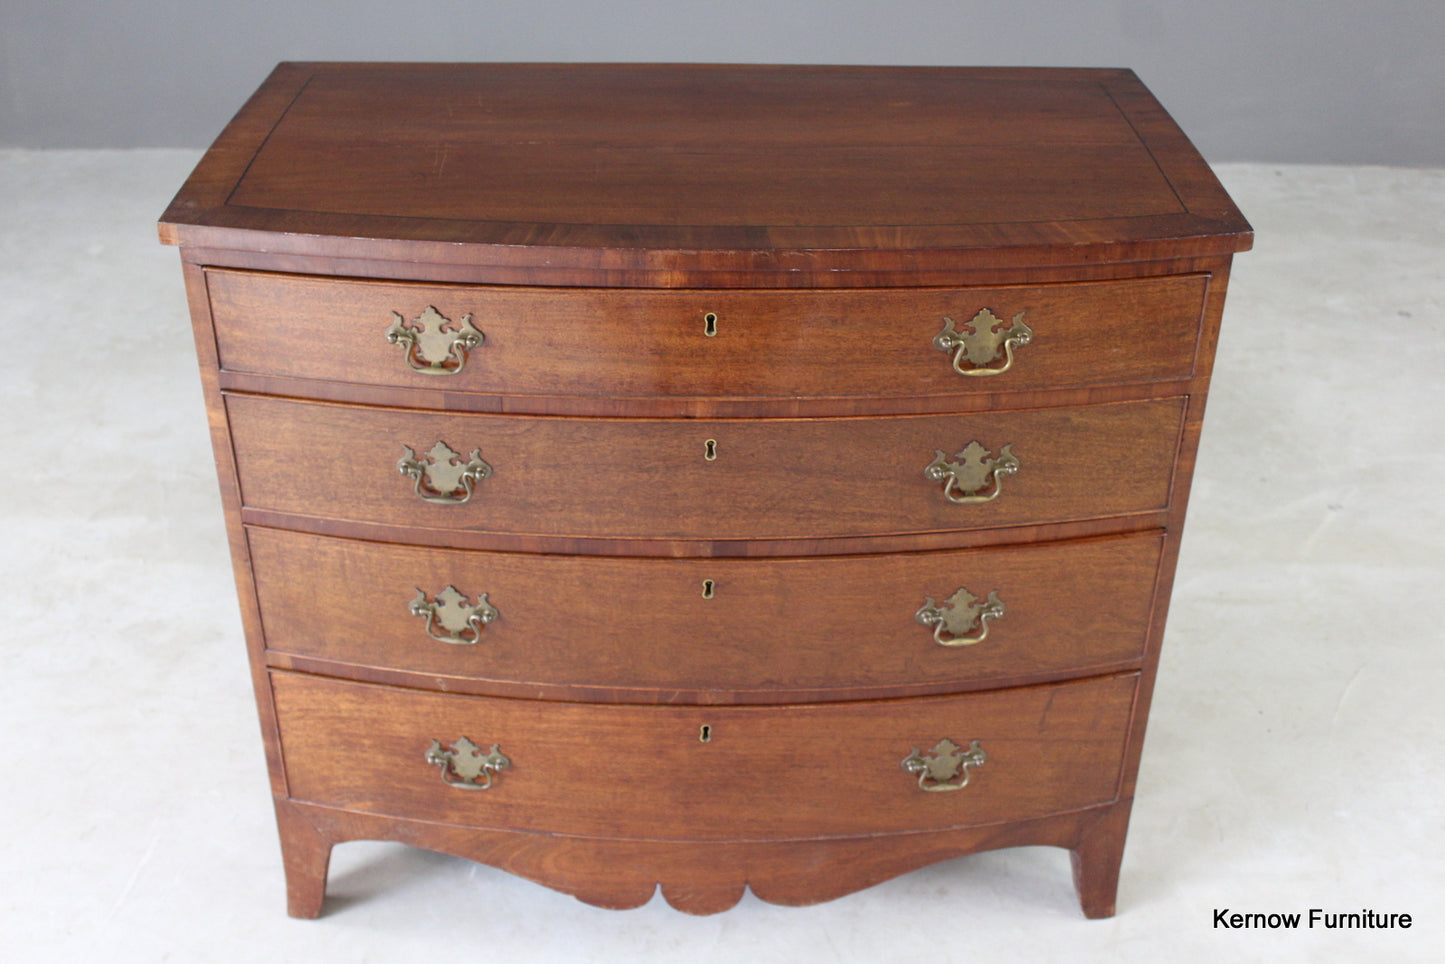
1295,753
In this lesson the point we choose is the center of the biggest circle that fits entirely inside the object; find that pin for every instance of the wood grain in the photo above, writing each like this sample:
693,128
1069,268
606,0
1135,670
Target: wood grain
669,173
633,343
589,217
697,877
641,630
649,478
767,772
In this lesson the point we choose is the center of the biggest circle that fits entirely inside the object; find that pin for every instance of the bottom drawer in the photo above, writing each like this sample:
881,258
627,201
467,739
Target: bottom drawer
705,773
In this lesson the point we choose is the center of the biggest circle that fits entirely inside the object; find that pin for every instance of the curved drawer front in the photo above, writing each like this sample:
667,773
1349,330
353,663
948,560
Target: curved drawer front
650,343
694,630
685,479
761,772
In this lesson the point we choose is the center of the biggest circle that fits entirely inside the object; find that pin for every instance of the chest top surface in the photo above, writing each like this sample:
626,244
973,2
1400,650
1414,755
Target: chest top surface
705,167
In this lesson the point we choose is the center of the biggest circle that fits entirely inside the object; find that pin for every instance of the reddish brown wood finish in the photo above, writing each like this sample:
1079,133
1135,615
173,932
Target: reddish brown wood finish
703,877
652,344
1097,857
642,630
650,478
666,176
764,772
307,855
603,210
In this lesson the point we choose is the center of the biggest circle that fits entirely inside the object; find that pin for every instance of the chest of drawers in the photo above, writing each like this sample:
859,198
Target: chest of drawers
704,477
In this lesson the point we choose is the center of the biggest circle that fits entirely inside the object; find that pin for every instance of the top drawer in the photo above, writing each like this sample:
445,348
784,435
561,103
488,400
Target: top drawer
649,343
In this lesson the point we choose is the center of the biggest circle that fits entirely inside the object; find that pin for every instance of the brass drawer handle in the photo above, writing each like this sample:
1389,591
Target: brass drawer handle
456,616
433,343
945,767
464,766
971,472
959,616
440,476
981,344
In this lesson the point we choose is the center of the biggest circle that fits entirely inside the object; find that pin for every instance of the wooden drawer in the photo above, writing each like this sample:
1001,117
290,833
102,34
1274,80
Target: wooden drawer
652,478
644,630
650,343
765,772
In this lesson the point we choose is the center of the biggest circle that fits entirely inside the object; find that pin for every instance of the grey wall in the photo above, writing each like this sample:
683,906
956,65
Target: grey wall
1330,81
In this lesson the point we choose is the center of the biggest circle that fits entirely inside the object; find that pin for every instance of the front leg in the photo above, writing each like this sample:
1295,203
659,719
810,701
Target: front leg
1096,861
306,853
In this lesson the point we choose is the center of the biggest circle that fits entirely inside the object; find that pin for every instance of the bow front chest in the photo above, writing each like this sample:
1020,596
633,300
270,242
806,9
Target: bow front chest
704,477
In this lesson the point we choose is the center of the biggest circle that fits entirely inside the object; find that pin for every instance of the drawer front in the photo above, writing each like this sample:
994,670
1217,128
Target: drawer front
706,630
762,772
720,479
650,343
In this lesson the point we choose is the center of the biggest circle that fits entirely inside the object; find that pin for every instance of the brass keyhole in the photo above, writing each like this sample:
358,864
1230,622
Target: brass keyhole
709,324
709,450
707,588
705,734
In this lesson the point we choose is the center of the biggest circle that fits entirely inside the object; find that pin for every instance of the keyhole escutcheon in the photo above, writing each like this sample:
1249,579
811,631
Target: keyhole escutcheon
709,450
704,735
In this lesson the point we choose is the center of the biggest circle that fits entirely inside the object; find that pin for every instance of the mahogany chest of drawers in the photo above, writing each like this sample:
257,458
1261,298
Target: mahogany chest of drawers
704,477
